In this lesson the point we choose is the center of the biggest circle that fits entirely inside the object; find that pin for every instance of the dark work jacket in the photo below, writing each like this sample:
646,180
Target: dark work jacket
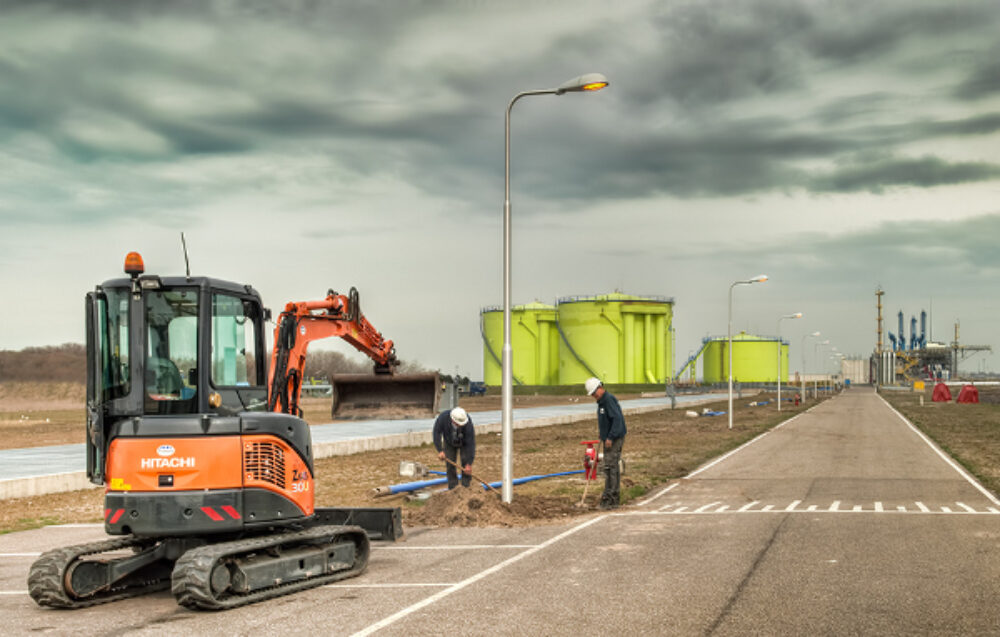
610,421
445,435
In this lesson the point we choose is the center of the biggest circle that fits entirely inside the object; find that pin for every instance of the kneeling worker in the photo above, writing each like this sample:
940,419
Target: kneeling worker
453,432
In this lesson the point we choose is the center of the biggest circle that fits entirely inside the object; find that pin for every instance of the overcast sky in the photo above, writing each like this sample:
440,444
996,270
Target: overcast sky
301,146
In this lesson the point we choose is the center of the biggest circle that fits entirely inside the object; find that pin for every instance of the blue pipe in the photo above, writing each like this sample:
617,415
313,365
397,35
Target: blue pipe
421,484
537,477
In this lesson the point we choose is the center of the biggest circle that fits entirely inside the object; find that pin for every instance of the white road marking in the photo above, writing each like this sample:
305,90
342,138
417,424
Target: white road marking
992,498
992,510
94,525
679,510
878,507
812,507
702,509
922,507
768,507
901,509
667,506
471,580
416,585
945,510
966,507
746,507
661,492
13,592
747,444
722,508
857,507
454,547
795,503
835,506
19,554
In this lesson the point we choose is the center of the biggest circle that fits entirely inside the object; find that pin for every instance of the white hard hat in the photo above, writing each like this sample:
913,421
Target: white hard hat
591,385
459,417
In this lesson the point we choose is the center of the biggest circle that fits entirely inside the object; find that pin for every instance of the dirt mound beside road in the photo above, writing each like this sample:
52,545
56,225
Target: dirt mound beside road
477,507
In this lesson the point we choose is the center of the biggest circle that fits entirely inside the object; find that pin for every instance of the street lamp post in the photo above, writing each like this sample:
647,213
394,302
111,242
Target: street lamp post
802,381
760,278
797,315
588,82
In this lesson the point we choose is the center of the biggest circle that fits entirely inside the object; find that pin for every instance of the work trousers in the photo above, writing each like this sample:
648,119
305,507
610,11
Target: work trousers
612,473
452,453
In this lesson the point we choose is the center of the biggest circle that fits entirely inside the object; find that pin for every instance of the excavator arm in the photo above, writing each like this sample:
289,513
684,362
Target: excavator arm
300,323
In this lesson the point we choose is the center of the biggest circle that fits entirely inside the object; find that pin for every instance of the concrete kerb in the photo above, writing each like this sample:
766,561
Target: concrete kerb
77,480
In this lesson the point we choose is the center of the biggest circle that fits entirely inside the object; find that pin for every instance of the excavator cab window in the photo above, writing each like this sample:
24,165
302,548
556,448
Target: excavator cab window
112,344
171,351
234,342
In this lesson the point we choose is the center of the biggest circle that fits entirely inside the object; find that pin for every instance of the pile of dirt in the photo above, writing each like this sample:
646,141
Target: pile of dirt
476,507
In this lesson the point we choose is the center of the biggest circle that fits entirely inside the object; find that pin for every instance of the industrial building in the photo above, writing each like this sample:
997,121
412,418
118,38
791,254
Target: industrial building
619,338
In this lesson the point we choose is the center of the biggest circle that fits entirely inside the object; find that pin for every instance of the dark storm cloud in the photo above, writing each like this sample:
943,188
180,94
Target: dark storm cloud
881,173
984,80
682,116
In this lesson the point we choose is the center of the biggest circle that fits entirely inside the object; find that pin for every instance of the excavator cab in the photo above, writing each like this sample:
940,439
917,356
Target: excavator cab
146,337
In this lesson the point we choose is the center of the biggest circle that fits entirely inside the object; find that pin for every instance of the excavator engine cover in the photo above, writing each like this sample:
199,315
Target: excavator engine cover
382,397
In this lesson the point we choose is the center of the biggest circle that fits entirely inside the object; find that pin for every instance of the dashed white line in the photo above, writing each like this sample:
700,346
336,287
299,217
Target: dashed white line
901,508
707,506
922,507
746,507
679,510
835,506
19,554
13,592
768,507
667,506
857,507
966,507
992,510
878,507
722,508
946,510
791,507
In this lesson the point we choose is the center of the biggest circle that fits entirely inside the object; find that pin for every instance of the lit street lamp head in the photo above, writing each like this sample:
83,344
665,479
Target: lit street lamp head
588,82
760,278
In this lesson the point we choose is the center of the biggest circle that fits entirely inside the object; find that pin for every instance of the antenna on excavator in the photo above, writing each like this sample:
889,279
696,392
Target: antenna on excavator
187,264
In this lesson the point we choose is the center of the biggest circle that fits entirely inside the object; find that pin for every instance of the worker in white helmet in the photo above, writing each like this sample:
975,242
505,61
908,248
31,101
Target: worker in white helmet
455,435
611,432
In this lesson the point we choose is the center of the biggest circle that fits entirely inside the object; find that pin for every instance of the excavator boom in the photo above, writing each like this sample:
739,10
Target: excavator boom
383,394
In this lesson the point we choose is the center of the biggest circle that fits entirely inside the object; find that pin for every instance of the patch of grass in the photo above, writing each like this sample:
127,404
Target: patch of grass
633,492
26,524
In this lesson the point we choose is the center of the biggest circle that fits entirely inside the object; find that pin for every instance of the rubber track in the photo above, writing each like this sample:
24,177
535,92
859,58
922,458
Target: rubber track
193,571
47,575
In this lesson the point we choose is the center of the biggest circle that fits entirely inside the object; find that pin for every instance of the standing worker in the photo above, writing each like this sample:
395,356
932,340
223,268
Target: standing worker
453,432
611,432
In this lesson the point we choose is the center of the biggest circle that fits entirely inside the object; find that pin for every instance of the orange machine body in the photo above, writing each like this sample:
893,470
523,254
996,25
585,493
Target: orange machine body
212,473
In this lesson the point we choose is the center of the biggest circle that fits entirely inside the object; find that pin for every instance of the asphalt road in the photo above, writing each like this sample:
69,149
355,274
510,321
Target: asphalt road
842,521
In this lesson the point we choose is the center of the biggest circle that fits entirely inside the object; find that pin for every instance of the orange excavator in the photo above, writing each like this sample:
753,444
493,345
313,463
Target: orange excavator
206,464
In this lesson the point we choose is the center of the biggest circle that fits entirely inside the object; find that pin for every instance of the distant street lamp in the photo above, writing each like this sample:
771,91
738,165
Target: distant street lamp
588,82
760,278
813,335
797,315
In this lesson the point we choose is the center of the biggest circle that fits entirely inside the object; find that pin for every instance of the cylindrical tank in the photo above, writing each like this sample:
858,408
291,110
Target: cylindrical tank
620,338
755,359
534,344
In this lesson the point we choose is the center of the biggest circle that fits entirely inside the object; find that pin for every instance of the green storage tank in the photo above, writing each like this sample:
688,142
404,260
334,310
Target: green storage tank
755,359
620,338
534,342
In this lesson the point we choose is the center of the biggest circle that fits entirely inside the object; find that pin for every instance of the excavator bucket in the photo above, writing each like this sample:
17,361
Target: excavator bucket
385,396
